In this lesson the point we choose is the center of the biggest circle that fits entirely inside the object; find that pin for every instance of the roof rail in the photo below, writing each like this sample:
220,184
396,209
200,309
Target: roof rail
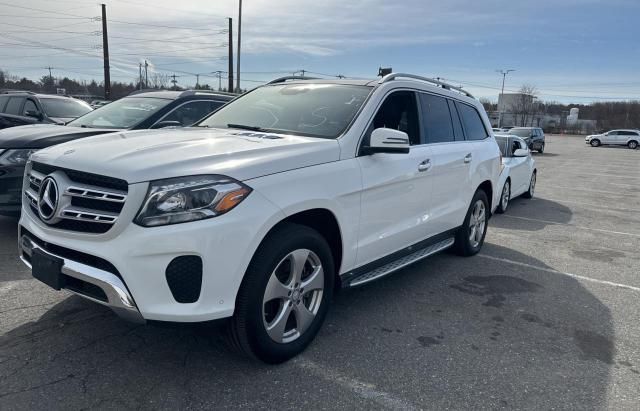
16,92
446,86
285,78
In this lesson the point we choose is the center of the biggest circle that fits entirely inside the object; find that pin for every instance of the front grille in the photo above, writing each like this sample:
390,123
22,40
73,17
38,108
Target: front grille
87,203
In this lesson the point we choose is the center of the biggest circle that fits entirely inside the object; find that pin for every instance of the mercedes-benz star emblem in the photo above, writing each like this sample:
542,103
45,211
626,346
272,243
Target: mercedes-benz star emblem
48,199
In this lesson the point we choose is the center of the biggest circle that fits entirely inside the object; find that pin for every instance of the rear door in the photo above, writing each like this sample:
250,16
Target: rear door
395,187
451,156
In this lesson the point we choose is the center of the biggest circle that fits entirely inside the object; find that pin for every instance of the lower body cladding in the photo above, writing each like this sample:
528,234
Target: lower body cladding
186,272
10,190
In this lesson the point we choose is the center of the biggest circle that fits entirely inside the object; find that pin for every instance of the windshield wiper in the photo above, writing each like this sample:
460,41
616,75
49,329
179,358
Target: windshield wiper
245,127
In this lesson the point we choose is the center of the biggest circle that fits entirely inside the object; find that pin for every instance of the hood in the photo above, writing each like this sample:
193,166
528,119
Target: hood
44,135
137,156
62,120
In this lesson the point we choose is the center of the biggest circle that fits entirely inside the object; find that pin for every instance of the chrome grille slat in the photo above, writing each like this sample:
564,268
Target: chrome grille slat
81,206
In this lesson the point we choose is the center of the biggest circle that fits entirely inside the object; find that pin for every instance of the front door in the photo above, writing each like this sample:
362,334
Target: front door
395,187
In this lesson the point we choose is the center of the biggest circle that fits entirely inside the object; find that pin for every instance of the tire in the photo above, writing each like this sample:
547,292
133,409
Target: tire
632,144
594,142
253,329
541,150
504,197
532,186
464,245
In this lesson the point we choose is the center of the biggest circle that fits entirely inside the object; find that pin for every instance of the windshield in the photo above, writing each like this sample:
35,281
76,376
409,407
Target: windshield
316,110
124,113
65,108
521,132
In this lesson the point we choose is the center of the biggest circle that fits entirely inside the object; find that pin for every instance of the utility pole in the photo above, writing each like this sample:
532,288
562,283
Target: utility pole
239,38
146,74
174,81
105,54
504,75
230,54
197,81
219,75
140,76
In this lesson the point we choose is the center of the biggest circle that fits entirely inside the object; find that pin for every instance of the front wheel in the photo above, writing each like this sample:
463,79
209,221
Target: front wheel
595,142
284,296
541,150
470,236
504,198
632,145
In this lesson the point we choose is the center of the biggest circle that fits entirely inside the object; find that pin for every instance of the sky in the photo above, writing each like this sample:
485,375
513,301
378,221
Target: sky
571,51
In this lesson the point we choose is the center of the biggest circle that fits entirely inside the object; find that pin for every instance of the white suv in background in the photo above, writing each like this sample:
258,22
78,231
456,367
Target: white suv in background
629,138
266,206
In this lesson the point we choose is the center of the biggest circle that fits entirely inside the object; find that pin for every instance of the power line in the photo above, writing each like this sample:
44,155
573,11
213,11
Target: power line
158,25
42,10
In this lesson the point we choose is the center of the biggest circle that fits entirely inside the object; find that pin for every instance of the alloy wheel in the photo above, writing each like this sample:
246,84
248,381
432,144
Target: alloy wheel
293,296
505,196
477,223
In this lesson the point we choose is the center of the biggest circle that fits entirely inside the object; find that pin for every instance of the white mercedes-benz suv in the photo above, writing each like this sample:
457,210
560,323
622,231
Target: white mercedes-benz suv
259,212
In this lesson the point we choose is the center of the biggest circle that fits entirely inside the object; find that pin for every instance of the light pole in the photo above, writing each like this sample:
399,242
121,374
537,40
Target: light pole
239,41
504,75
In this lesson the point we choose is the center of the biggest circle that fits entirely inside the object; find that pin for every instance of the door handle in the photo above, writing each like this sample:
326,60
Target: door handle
467,158
425,165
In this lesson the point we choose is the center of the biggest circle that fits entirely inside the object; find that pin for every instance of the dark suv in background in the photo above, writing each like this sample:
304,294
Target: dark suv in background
140,110
19,108
533,136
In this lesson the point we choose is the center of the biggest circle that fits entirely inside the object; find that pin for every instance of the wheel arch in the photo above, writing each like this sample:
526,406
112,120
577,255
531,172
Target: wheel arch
487,187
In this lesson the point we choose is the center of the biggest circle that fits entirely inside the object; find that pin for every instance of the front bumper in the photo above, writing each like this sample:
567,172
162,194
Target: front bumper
10,189
114,293
140,256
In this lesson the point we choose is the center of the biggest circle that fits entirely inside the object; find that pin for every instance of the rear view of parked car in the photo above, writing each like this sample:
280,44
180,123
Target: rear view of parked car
19,108
533,136
629,138
139,111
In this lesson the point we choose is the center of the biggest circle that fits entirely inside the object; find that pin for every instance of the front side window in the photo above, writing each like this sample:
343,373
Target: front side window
29,106
399,111
473,124
189,113
121,114
311,109
436,119
64,108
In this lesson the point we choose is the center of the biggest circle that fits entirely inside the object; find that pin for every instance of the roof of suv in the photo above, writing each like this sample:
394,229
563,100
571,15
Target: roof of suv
30,93
170,94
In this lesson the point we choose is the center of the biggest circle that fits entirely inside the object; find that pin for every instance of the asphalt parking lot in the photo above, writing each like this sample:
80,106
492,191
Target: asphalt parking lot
545,317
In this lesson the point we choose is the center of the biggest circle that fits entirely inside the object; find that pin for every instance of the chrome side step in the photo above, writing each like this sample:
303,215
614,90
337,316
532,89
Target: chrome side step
401,262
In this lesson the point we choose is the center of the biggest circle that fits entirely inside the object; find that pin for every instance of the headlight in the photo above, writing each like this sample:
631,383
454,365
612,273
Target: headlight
16,157
183,199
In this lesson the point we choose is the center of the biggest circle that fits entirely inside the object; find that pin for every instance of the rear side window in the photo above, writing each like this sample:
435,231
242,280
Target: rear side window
473,125
457,124
436,119
627,133
13,106
3,102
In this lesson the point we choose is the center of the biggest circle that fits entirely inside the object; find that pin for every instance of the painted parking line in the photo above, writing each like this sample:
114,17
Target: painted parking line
591,190
552,271
364,390
601,230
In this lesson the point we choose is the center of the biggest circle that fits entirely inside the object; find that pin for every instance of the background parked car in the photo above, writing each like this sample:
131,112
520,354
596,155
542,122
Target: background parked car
533,136
519,172
629,138
19,108
141,110
99,103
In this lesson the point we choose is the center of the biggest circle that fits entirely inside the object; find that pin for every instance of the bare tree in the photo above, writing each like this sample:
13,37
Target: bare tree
158,80
525,104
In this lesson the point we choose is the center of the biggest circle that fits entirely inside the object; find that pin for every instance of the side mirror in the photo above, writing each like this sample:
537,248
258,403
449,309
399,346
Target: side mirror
34,114
521,152
387,140
167,123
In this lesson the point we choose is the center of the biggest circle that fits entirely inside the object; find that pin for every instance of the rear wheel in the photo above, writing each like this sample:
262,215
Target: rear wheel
532,186
505,197
470,236
632,144
595,142
541,150
284,296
